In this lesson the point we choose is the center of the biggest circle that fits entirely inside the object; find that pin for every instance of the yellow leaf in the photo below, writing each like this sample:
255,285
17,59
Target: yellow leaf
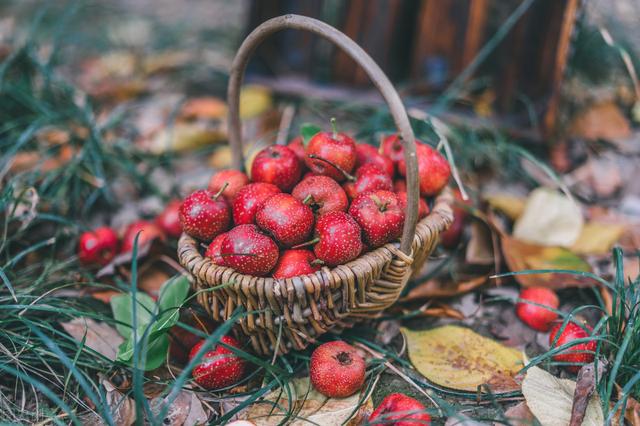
549,219
511,205
221,158
308,406
254,100
458,358
185,137
597,238
550,399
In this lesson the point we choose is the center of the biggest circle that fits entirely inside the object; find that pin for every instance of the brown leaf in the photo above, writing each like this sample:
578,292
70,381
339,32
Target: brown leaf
480,247
510,205
437,288
209,108
100,337
603,120
186,409
519,415
123,409
585,386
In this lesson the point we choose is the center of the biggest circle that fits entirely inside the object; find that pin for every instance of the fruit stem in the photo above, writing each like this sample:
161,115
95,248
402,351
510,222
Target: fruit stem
334,128
308,199
381,206
308,243
348,176
221,190
317,262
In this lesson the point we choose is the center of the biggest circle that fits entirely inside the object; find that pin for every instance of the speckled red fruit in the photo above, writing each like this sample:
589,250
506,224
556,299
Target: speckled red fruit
322,194
220,367
393,149
149,231
368,178
336,369
205,214
277,165
338,149
575,354
380,216
451,237
98,247
400,185
537,317
423,207
433,170
367,154
339,238
215,248
286,219
293,263
169,219
247,250
398,409
233,179
249,200
296,145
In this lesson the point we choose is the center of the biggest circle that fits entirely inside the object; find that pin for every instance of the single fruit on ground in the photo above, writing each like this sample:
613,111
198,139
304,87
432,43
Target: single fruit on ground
433,170
215,249
534,316
277,165
336,369
205,214
149,232
331,154
98,247
231,180
367,154
380,216
169,219
249,200
247,250
398,409
582,353
286,219
338,238
322,194
293,263
220,367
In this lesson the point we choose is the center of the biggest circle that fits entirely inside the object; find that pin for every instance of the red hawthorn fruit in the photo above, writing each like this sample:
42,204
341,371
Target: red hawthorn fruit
423,207
393,149
215,249
537,317
380,216
220,367
98,247
339,239
580,353
286,219
233,179
294,263
433,170
249,251
336,369
149,231
368,178
322,194
326,150
277,165
169,219
398,409
367,154
297,146
249,200
205,214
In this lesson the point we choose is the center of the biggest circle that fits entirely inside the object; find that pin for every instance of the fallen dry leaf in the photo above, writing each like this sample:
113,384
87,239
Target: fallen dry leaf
438,288
100,336
521,256
221,158
254,100
518,415
550,399
585,385
459,358
511,205
598,238
186,409
310,406
511,331
549,219
603,120
123,409
184,137
207,107
480,247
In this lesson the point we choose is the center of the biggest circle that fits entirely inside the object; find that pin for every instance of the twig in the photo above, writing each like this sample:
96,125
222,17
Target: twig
285,124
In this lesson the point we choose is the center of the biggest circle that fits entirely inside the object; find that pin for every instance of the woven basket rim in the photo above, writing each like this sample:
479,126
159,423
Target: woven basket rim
439,218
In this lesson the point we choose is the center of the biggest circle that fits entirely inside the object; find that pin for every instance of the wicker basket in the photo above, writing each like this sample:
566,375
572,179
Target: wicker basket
287,314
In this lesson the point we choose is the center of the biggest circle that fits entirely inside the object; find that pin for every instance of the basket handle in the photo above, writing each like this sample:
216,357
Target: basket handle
374,72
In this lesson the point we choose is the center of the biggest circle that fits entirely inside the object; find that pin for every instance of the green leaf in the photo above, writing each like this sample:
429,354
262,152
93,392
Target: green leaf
308,130
154,355
172,295
122,308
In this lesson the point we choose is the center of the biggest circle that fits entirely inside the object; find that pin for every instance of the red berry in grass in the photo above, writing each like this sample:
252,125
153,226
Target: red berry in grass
367,154
336,369
322,194
220,367
393,149
423,207
398,409
293,263
98,247
277,165
250,199
433,170
215,249
249,251
380,216
338,237
296,145
580,353
326,150
537,317
169,219
231,180
368,178
149,231
181,340
205,214
286,219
